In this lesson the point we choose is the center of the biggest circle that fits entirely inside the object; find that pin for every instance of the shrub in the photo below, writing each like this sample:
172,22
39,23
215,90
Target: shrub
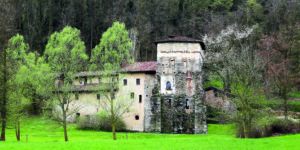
270,127
99,122
216,116
106,124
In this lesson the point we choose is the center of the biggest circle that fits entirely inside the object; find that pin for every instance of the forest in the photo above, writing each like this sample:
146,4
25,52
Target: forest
252,50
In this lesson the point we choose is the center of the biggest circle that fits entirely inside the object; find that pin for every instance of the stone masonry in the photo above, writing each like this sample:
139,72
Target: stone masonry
177,101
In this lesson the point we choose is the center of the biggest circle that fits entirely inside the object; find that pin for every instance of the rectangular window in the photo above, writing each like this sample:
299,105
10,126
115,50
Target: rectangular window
98,96
125,82
85,81
187,104
172,63
140,98
170,103
138,81
131,95
76,96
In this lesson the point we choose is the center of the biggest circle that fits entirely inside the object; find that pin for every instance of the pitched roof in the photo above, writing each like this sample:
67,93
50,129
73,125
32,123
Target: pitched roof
174,38
149,66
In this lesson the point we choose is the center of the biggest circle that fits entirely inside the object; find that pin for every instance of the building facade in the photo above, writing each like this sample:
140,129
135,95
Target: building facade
168,93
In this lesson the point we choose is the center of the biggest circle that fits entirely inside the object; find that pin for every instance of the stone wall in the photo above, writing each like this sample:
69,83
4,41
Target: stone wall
178,108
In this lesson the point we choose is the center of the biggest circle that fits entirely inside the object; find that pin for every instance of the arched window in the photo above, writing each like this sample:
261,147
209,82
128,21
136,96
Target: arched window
168,85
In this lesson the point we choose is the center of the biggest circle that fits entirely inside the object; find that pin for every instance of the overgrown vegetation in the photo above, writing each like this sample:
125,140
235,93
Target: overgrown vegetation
100,122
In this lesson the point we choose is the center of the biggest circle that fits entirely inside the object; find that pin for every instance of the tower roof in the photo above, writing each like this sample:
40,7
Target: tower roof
174,38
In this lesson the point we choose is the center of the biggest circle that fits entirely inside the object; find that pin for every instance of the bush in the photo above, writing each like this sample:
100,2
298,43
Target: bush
106,124
216,116
267,128
100,122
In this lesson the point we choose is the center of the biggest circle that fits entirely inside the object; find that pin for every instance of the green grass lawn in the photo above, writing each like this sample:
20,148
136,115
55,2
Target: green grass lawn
45,134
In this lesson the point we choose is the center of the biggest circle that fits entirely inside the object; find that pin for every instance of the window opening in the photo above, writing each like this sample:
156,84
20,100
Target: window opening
85,81
170,103
125,82
140,98
98,96
76,96
187,104
137,117
168,86
138,81
131,95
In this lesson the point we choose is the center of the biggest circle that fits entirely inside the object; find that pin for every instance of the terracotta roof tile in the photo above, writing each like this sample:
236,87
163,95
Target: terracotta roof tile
141,67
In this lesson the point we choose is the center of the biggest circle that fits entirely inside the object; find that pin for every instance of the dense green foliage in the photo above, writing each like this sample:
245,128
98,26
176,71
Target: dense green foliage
114,49
146,20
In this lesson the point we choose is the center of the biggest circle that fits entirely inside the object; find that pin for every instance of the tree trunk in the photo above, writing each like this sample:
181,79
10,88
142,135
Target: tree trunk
4,100
113,119
65,125
18,129
34,103
114,131
245,130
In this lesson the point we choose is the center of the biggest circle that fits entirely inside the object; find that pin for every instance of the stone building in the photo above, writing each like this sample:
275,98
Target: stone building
169,92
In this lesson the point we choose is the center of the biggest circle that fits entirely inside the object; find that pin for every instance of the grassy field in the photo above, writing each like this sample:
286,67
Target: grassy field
45,134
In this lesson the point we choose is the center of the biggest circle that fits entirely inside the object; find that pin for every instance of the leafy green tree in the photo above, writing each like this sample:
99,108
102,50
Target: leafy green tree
221,6
65,54
114,49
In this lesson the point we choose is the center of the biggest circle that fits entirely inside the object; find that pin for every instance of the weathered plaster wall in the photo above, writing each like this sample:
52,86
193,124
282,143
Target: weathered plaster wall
90,105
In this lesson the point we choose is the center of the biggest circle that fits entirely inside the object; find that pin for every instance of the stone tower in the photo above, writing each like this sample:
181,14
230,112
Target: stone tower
177,102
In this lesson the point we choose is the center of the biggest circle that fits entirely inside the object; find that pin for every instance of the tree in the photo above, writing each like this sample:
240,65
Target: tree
276,55
65,54
4,30
246,86
17,61
223,50
115,49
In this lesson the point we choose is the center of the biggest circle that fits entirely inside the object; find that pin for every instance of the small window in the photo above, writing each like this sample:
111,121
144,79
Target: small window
172,63
125,82
137,117
131,95
187,104
138,81
184,63
76,96
170,103
98,96
140,98
168,85
80,80
85,81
